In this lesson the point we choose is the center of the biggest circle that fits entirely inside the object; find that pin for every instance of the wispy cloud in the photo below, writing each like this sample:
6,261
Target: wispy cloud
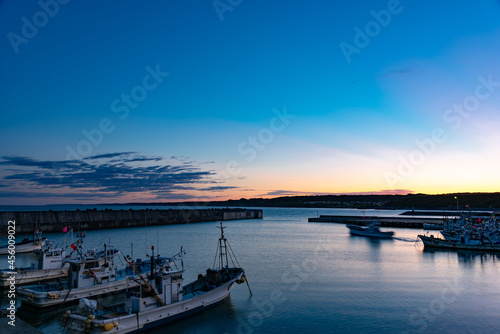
105,176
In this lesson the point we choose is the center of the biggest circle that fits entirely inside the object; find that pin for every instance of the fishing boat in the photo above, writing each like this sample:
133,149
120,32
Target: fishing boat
371,231
162,298
465,241
90,274
50,265
25,246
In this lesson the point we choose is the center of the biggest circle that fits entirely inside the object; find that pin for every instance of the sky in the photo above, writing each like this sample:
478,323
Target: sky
153,101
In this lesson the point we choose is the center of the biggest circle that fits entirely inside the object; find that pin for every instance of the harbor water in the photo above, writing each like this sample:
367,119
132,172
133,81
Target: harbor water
316,278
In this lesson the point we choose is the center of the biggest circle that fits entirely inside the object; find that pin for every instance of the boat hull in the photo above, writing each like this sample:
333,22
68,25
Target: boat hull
22,248
364,232
430,242
43,299
25,277
138,322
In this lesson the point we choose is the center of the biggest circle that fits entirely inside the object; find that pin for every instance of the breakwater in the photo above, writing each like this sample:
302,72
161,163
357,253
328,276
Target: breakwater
395,221
55,221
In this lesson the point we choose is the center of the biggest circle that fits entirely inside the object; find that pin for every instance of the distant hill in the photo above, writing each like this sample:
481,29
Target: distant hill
410,201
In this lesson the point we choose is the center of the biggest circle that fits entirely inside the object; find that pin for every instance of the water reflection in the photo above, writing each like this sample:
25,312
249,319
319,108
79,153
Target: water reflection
467,258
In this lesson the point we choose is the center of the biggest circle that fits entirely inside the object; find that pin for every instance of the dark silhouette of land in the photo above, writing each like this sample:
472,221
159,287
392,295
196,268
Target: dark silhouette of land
484,201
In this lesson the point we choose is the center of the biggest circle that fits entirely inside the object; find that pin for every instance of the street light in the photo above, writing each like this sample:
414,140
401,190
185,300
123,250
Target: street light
457,202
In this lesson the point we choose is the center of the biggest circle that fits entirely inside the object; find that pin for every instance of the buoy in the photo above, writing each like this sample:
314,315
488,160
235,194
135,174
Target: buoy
109,326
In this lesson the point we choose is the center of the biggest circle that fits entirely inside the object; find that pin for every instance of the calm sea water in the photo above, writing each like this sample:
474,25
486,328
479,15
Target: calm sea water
316,278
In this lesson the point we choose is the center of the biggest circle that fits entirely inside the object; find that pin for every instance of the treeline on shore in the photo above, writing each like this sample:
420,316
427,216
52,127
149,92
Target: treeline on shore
409,201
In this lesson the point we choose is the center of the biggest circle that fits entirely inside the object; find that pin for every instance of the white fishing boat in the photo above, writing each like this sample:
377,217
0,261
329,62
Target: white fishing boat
465,241
50,265
161,298
371,231
90,274
25,246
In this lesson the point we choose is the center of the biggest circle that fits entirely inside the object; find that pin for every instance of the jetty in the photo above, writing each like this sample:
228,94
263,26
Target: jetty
408,219
93,219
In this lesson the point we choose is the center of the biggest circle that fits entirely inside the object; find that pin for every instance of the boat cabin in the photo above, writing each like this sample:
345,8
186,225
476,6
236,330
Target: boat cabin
49,258
168,287
93,269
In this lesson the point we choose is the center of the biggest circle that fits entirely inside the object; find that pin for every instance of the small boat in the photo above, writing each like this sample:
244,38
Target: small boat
371,231
161,298
25,246
464,241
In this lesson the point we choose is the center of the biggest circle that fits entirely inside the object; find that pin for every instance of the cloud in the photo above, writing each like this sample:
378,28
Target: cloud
105,175
18,194
109,155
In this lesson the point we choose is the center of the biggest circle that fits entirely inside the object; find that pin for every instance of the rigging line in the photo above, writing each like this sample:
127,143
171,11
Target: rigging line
71,288
231,259
234,255
100,241
216,253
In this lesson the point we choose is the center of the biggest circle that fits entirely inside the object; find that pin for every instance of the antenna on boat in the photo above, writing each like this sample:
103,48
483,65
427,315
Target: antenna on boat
152,260
182,260
222,248
180,254
223,251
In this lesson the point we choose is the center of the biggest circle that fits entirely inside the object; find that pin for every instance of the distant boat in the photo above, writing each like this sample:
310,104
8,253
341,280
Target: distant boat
371,231
25,246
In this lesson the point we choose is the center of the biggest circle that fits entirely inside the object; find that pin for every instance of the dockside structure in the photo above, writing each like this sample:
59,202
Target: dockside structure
55,221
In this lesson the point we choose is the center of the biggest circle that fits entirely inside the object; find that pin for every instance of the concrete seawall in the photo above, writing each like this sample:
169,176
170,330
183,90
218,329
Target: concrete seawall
54,221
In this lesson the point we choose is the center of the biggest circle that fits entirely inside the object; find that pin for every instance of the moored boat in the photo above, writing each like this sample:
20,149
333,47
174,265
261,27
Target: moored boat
467,241
50,265
25,246
90,274
161,298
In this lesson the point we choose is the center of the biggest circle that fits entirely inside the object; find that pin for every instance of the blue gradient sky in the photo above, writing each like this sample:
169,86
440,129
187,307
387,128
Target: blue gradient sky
262,102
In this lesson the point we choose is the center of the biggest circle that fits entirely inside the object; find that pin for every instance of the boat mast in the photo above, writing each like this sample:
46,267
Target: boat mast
223,247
